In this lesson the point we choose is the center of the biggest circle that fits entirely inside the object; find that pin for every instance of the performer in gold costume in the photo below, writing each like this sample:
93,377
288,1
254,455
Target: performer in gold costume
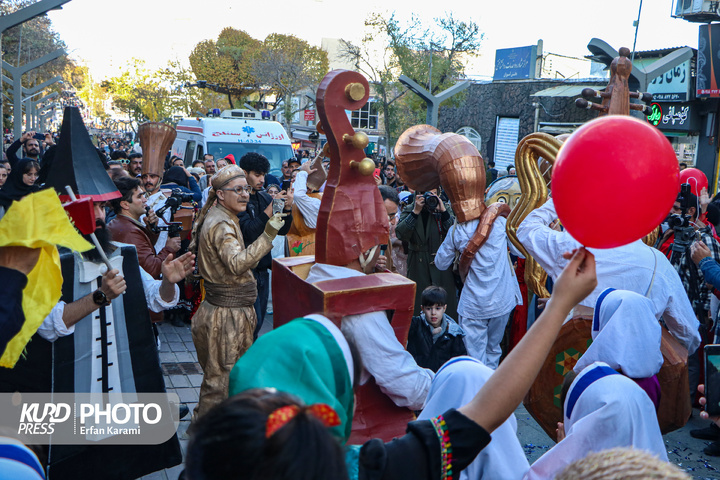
222,328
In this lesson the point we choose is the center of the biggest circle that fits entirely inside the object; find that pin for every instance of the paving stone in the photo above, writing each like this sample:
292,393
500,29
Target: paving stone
160,475
177,346
184,357
174,472
179,381
172,337
167,357
195,380
187,395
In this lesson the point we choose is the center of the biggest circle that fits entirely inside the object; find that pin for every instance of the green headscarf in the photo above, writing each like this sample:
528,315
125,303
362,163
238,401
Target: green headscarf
302,358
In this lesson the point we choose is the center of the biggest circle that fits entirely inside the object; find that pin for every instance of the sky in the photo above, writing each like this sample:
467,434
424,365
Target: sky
106,35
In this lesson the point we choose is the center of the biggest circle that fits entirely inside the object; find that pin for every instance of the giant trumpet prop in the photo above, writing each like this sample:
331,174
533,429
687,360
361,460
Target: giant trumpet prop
533,151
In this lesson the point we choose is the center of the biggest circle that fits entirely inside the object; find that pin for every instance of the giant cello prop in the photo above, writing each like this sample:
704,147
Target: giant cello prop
352,220
534,158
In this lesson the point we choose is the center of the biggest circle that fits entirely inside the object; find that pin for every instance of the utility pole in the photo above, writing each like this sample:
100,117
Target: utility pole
16,18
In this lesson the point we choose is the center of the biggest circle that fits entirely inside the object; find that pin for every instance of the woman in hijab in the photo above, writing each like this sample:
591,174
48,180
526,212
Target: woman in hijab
626,336
22,181
454,385
602,409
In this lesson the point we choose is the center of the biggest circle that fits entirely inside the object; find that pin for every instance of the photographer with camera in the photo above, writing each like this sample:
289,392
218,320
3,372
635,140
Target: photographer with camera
423,224
686,229
127,227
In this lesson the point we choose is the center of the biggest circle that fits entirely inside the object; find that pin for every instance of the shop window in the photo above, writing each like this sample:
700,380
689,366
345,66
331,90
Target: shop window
507,131
472,135
366,117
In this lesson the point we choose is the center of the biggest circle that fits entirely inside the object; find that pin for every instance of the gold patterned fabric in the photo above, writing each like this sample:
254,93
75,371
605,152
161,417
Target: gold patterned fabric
221,334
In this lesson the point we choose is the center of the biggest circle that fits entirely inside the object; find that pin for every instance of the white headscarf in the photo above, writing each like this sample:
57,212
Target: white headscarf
18,462
626,335
603,410
455,384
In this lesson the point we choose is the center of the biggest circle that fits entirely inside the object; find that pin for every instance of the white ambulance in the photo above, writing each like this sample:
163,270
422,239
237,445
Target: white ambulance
235,132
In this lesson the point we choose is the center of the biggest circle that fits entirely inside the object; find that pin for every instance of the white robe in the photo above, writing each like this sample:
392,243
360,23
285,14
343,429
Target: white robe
612,411
635,267
455,384
626,335
395,370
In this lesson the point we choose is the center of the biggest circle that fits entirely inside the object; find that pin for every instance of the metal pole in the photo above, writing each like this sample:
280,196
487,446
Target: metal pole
637,26
16,18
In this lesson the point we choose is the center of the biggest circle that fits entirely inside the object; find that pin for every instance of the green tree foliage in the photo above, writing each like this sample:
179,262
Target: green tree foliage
141,94
287,65
226,63
434,56
78,80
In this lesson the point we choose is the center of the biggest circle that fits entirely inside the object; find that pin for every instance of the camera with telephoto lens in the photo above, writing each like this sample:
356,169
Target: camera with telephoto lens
431,201
680,223
173,228
178,197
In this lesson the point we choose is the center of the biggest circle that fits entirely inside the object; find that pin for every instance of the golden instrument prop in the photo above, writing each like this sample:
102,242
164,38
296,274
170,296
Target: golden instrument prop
156,139
531,150
427,158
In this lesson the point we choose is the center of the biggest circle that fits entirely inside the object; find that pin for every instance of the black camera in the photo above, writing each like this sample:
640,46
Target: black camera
680,223
431,201
173,228
175,201
180,197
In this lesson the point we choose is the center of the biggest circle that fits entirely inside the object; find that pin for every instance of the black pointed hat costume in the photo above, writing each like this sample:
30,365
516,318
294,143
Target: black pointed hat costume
77,163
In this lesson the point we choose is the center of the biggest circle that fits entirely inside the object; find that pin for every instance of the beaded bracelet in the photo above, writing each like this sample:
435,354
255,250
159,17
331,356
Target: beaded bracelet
445,447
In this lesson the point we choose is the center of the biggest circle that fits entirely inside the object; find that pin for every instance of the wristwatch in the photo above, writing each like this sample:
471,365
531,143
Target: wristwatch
100,298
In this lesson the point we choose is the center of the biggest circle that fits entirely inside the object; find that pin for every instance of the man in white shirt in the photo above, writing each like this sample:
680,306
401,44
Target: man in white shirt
383,357
308,206
635,267
491,289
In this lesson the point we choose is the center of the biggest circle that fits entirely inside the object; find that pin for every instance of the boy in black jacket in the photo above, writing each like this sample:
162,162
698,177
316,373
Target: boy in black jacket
434,337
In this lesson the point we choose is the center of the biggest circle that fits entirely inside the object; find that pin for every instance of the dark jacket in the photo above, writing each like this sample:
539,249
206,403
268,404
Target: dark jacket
433,355
424,233
253,220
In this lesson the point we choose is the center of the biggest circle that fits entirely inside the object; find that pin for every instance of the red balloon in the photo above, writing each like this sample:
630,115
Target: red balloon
695,178
614,180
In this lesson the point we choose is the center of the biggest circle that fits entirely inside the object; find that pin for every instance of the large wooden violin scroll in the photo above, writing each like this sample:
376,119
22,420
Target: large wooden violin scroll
352,216
616,96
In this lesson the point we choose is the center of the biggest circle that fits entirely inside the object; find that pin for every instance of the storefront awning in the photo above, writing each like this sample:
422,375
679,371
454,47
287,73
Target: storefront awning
563,91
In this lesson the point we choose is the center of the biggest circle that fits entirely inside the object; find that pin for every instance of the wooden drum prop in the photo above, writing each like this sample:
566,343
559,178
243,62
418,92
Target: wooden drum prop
543,401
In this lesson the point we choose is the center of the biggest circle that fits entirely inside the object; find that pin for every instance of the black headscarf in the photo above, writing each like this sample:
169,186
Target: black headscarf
14,188
177,176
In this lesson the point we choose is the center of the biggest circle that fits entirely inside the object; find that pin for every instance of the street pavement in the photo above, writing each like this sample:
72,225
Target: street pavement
183,376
